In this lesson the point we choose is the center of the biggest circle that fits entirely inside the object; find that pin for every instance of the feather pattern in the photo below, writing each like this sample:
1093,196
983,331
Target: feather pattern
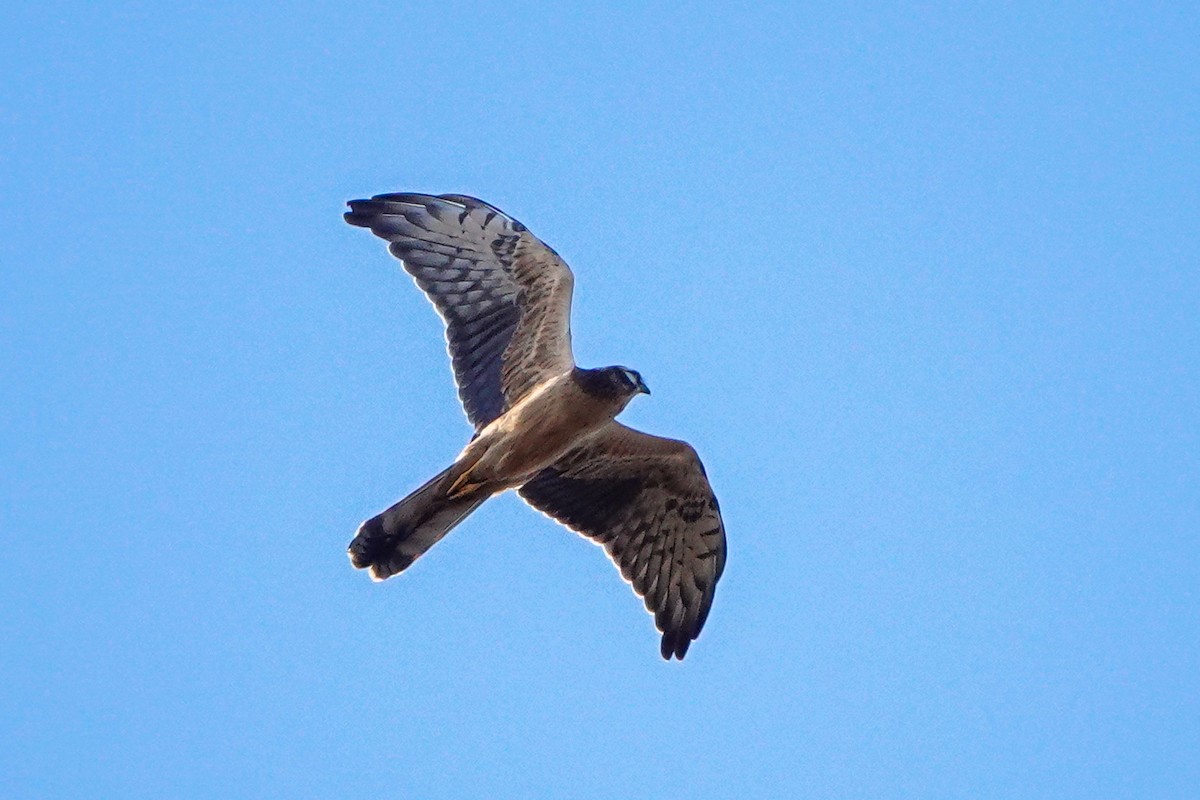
504,296
647,500
542,424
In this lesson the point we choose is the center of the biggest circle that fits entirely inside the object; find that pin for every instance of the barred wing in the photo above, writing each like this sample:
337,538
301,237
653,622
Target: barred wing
648,502
504,295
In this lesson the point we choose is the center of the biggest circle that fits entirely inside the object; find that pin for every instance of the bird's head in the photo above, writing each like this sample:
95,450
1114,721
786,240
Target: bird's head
631,380
616,383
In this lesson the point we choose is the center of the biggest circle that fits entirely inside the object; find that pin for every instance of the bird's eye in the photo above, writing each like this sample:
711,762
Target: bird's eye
631,377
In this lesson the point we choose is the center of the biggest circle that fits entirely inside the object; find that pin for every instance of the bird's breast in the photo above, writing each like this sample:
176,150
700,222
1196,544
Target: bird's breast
538,431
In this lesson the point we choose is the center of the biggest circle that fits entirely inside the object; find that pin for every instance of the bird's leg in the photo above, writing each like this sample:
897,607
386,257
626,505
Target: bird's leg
462,485
465,480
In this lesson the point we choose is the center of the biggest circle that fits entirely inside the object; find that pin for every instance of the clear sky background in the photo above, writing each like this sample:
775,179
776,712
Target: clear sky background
922,285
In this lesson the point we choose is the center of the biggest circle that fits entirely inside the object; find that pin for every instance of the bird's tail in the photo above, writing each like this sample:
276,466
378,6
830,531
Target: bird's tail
387,543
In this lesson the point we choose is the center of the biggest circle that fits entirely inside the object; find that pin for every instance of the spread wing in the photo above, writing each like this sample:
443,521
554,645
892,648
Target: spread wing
504,295
648,502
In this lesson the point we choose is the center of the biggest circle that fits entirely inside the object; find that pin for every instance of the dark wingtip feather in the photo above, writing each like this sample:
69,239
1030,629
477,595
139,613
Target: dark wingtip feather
682,646
361,212
675,645
405,197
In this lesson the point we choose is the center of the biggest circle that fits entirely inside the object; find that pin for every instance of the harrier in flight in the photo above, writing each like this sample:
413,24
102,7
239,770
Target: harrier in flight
543,426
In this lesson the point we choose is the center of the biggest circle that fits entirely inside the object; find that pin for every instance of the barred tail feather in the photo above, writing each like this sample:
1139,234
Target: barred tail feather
389,542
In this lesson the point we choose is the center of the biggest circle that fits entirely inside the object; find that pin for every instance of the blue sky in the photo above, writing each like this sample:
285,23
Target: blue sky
920,284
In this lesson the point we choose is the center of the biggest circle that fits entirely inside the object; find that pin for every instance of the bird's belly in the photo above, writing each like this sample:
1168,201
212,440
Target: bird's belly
537,446
533,436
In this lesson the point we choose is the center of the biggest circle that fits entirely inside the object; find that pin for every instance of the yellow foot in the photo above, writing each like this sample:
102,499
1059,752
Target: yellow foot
462,485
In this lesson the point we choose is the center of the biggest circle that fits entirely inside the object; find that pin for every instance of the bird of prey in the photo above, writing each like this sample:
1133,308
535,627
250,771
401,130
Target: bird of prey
543,426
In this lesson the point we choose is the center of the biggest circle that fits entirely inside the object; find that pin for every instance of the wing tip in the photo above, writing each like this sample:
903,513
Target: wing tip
364,213
462,202
675,644
362,210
